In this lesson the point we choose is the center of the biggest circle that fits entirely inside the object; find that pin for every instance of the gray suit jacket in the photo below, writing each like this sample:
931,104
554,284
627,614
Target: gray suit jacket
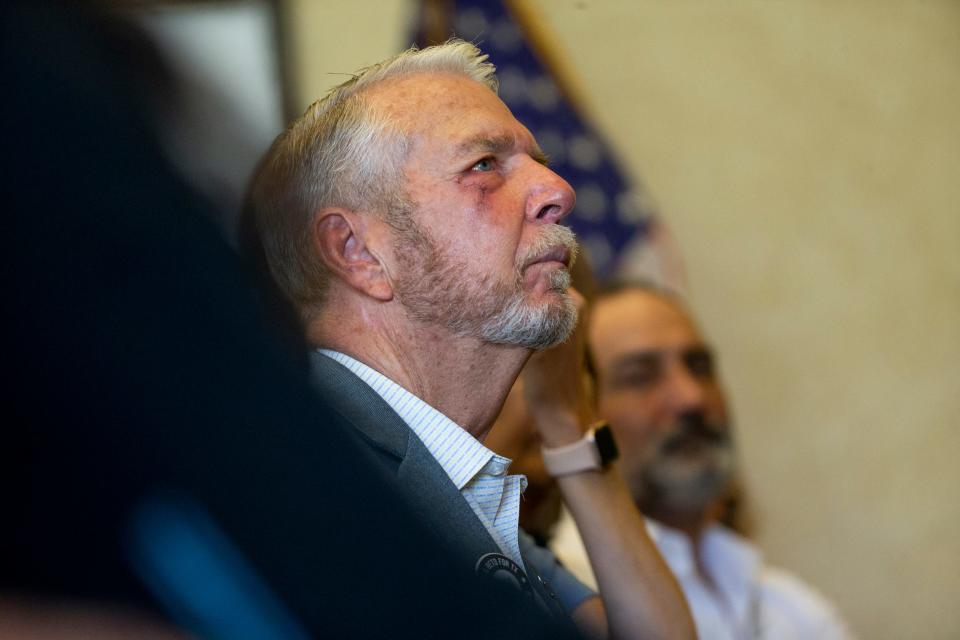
421,479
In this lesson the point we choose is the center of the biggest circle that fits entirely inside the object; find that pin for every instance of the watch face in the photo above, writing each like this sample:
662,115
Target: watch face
606,445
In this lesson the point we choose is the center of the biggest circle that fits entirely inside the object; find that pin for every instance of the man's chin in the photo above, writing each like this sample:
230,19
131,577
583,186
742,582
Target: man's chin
535,327
686,486
546,284
563,319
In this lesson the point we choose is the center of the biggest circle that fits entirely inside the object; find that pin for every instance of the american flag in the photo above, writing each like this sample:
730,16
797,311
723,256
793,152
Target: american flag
615,217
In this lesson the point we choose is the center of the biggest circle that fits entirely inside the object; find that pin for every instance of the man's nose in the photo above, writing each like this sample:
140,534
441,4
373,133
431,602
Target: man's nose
686,390
550,198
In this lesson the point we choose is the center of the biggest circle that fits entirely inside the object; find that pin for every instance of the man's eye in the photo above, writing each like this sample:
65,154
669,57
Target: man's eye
483,165
639,377
699,363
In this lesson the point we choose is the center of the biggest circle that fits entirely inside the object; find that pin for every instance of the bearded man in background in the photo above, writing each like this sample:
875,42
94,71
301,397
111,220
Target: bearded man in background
657,384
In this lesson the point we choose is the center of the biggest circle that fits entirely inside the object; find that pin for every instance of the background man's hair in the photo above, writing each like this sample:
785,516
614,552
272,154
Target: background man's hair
615,286
341,152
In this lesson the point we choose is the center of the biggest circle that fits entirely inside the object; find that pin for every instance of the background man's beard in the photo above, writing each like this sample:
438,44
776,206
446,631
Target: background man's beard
437,289
679,482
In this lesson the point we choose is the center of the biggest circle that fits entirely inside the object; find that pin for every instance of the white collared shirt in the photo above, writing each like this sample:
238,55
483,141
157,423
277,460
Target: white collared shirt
748,599
478,473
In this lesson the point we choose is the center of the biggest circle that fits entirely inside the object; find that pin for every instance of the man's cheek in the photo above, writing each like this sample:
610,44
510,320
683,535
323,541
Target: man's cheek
631,442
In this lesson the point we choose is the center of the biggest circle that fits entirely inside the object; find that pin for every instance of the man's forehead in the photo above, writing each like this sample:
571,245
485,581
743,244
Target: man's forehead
640,321
418,96
465,114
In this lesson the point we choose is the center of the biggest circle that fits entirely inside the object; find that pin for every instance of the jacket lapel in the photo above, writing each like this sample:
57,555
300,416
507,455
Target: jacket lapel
420,477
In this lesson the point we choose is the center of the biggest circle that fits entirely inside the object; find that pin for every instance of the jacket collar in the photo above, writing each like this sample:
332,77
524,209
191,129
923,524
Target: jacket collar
419,476
421,479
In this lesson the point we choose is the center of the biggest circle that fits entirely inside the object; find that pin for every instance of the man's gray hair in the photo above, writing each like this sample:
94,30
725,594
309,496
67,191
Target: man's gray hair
341,152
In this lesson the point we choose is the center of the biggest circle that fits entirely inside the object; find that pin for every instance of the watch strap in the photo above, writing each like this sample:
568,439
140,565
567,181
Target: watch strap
595,450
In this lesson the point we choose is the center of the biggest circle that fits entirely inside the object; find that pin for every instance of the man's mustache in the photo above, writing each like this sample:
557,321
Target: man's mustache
551,237
693,427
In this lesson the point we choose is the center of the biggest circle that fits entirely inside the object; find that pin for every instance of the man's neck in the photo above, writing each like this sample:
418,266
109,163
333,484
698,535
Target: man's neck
693,526
465,379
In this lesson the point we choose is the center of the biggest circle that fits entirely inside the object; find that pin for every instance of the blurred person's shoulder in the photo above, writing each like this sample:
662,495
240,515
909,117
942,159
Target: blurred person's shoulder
781,604
799,607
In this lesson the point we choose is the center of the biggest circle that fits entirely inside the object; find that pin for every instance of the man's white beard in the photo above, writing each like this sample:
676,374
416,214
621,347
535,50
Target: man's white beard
436,288
681,481
540,327
688,486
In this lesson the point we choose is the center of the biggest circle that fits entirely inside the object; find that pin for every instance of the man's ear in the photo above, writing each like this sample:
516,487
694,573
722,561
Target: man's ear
340,238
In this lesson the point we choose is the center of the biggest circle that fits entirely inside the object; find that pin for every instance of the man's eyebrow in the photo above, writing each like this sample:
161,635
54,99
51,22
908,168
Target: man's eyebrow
499,144
699,350
487,144
635,358
538,154
647,357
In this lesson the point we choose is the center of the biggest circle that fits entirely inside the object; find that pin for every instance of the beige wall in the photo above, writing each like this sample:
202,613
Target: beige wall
807,157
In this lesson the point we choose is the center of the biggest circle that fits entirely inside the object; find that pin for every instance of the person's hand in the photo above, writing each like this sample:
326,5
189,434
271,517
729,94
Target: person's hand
555,386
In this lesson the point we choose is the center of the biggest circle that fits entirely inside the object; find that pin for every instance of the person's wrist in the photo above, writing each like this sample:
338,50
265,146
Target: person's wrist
558,428
594,451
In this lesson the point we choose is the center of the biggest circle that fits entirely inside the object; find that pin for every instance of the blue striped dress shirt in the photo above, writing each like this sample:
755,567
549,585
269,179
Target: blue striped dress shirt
478,473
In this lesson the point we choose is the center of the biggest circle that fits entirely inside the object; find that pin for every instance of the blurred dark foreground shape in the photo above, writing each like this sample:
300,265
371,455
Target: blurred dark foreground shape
165,453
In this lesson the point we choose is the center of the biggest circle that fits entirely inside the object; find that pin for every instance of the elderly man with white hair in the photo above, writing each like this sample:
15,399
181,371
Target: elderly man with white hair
413,222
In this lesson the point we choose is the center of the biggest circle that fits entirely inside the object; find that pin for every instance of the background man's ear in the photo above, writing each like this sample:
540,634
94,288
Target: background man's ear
340,238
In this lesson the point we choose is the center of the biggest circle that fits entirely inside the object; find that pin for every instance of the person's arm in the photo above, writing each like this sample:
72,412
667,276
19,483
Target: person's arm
639,596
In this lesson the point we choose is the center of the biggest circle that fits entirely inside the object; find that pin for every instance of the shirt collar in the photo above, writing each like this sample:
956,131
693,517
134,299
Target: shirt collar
459,454
674,546
732,561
